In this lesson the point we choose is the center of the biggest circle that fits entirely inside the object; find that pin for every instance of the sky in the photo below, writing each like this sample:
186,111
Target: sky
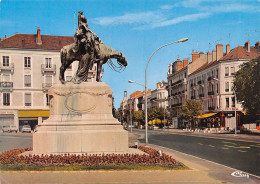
138,27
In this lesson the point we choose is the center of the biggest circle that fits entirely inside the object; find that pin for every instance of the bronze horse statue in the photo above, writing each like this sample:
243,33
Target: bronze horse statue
70,53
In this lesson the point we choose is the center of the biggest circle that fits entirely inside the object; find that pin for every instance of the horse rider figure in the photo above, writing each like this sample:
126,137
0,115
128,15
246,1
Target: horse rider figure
86,40
87,45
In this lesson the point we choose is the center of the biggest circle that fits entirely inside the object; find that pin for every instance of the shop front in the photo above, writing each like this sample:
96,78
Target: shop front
8,117
32,117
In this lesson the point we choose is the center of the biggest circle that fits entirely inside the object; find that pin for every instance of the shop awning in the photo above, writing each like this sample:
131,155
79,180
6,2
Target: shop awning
156,121
205,115
33,113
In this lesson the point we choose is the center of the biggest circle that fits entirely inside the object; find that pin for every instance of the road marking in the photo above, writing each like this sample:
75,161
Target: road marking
242,147
211,146
241,151
225,148
206,136
255,146
200,144
230,143
203,159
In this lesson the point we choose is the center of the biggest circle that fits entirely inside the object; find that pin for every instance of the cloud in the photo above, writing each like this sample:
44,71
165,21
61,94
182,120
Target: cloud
168,7
201,9
229,7
185,18
130,18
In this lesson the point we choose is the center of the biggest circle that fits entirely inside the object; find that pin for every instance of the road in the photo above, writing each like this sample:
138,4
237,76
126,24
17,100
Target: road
241,155
10,141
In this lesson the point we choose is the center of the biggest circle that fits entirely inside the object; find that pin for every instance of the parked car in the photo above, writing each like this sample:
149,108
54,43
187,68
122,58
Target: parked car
26,128
10,128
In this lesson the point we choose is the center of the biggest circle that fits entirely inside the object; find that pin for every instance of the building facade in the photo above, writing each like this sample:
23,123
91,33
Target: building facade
211,82
29,66
177,88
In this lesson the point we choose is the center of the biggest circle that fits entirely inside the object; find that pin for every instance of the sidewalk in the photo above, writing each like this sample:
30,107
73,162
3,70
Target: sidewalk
201,171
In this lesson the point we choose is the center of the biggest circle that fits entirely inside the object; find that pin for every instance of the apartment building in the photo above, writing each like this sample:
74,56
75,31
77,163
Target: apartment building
177,87
211,81
29,66
159,96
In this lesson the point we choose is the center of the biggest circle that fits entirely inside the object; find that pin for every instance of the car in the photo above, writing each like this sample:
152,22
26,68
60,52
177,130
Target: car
10,128
26,128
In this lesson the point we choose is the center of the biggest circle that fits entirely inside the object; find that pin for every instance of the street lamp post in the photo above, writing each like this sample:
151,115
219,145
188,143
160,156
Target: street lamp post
145,86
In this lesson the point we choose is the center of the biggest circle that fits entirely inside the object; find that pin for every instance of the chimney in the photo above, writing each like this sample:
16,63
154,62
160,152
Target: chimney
227,48
185,62
179,64
219,48
209,57
125,93
195,55
214,55
158,85
257,46
247,46
38,37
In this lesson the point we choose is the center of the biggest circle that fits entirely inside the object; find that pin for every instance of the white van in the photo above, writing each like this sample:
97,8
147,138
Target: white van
10,128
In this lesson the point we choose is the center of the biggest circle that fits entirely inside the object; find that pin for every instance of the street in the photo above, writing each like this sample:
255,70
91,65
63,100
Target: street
241,155
10,141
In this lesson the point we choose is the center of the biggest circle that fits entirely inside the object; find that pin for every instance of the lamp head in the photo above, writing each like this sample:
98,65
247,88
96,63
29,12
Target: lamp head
130,81
183,40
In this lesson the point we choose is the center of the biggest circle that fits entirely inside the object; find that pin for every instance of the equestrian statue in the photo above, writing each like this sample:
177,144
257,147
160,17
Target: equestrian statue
88,49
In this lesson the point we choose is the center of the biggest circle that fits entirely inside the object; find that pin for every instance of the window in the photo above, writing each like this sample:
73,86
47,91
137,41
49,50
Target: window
48,80
27,99
47,100
232,70
226,86
217,73
5,60
27,62
217,88
6,99
48,62
227,71
227,102
27,80
233,101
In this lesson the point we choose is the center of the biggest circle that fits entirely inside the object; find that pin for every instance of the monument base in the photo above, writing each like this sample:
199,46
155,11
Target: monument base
80,121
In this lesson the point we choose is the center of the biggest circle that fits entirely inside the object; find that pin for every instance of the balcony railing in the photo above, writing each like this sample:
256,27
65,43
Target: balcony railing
6,86
209,78
193,97
201,95
48,68
211,93
10,67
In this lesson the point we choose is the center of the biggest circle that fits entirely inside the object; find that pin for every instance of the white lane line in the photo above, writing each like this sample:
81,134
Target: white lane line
204,160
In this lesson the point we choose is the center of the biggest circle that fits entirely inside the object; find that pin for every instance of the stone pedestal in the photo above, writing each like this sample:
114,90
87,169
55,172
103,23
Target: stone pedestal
80,121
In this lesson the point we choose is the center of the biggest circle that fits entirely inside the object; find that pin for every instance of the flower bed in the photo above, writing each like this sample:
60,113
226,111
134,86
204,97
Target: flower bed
11,159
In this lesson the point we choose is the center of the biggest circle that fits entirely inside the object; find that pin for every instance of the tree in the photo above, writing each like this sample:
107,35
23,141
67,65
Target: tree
247,86
190,109
155,113
117,115
139,116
